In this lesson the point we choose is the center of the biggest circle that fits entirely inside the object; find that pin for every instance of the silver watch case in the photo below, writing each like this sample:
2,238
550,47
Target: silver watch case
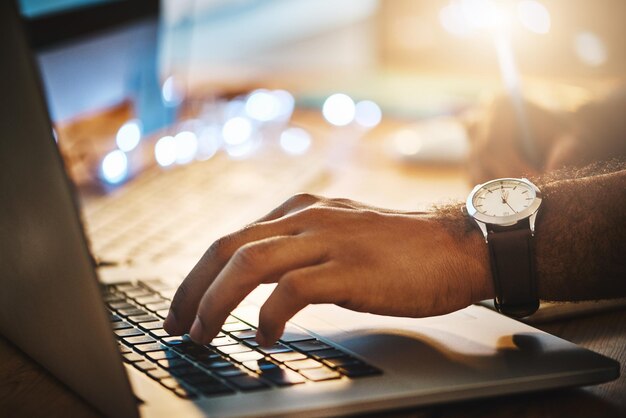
483,220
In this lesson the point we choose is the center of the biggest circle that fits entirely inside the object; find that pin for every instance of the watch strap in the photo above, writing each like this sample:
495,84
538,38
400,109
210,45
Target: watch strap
513,271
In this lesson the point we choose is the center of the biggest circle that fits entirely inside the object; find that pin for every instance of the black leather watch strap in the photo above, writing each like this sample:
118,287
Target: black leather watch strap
513,271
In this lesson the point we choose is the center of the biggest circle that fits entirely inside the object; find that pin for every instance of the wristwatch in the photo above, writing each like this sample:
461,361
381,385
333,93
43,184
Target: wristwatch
505,211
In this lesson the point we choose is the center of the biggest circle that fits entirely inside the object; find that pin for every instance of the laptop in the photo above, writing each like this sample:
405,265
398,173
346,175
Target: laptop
102,336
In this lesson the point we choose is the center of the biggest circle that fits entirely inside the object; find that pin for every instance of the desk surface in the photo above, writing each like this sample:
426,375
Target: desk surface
27,390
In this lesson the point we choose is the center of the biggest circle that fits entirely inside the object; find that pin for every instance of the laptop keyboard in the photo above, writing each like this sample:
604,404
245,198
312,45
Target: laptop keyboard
233,362
177,214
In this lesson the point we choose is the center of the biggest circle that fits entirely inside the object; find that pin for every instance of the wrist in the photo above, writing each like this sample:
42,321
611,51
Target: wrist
480,274
471,254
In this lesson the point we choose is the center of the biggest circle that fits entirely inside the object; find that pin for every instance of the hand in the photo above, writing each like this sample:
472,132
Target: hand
333,251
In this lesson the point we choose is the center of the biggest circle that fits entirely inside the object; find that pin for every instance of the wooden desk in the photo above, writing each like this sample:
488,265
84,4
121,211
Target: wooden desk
26,390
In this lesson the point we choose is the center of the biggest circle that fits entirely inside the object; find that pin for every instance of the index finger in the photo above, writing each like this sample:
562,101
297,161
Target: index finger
248,268
187,297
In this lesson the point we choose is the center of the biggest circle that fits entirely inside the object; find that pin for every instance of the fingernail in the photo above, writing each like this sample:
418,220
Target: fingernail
260,338
196,332
170,322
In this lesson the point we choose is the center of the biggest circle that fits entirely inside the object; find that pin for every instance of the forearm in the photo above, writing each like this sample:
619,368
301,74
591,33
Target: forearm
581,238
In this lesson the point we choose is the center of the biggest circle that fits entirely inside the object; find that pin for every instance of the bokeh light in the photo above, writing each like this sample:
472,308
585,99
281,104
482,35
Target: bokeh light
208,142
165,151
114,168
237,130
367,114
407,142
339,109
172,91
129,135
262,105
286,103
295,141
186,147
452,20
534,16
590,49
242,150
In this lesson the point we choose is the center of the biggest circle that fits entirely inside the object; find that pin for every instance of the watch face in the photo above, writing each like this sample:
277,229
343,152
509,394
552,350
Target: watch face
504,201
503,197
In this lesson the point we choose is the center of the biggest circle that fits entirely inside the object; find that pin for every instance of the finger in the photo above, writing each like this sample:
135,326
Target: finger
186,299
249,267
293,204
295,290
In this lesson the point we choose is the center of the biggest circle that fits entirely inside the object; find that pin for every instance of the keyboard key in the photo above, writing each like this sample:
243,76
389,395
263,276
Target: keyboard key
341,361
159,306
236,326
159,333
174,340
173,362
144,365
162,313
196,350
160,355
244,335
124,349
146,348
153,298
232,349
222,341
289,356
215,363
140,339
121,305
248,383
138,292
276,348
156,284
282,377
229,371
359,370
303,364
319,374
312,345
114,318
151,325
259,365
208,356
125,287
143,318
112,298
129,332
187,371
324,354
247,356
293,334
132,357
121,325
158,374
131,312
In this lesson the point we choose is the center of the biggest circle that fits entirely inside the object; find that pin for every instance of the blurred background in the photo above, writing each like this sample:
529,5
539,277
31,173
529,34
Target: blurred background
183,120
127,75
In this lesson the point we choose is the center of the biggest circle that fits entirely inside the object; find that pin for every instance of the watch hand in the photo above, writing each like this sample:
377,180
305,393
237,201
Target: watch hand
507,203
